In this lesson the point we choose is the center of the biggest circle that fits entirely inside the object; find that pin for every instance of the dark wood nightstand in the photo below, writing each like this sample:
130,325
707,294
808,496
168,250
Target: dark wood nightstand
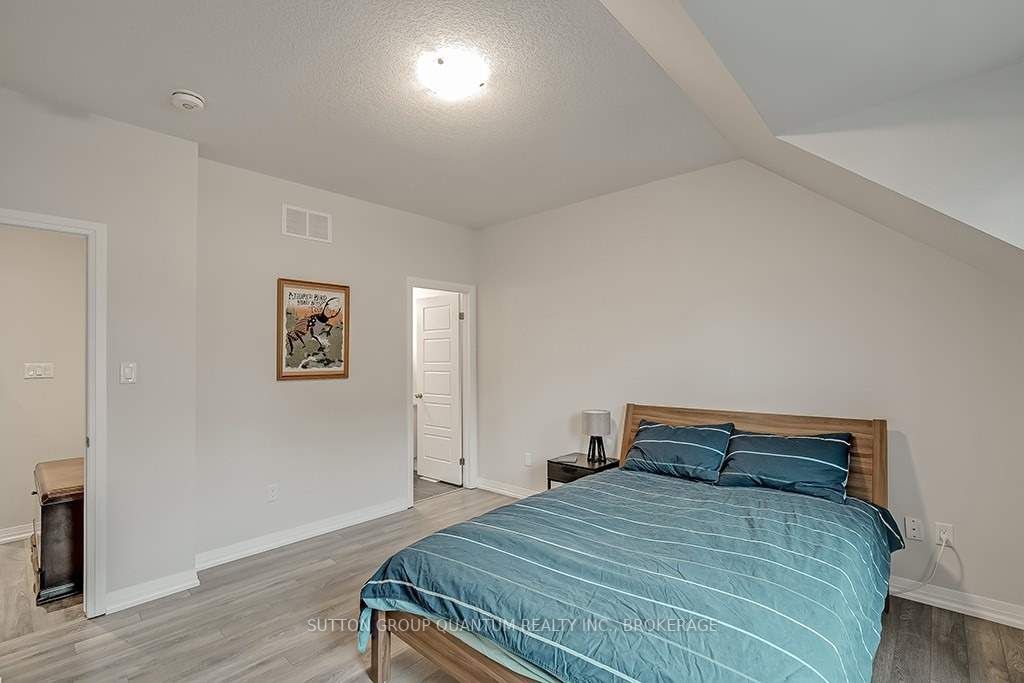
566,468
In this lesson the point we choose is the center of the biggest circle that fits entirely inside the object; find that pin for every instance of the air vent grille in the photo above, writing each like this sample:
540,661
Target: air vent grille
319,226
307,224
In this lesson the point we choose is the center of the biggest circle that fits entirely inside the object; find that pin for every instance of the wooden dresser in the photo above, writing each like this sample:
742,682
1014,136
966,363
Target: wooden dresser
58,538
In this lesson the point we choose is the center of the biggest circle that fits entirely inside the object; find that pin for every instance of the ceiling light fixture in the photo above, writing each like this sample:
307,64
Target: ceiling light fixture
453,73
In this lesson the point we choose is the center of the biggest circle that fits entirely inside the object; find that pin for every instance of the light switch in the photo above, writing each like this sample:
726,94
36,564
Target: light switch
129,372
38,370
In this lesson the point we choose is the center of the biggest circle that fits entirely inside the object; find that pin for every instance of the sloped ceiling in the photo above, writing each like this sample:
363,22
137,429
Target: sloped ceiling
804,62
957,146
675,40
922,96
324,93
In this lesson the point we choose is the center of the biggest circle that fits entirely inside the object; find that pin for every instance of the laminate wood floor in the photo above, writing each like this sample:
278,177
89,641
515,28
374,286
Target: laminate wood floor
922,643
250,620
425,488
19,614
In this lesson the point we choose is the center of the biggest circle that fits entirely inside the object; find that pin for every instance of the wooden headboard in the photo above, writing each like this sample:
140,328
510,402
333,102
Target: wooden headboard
868,467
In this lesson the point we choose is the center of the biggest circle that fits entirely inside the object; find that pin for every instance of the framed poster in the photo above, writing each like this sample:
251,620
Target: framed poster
312,330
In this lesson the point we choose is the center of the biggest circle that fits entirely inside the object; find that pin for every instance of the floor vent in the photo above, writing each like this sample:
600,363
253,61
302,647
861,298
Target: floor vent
309,225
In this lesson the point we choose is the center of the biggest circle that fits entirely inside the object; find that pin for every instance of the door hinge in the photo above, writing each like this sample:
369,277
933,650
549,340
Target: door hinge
87,442
462,316
462,461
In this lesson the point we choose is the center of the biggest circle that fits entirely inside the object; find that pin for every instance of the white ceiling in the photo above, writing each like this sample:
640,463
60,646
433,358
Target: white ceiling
925,97
677,43
958,147
324,93
804,61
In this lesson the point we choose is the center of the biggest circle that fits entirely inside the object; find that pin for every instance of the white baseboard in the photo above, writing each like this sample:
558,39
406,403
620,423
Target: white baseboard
15,533
260,544
965,603
131,596
510,490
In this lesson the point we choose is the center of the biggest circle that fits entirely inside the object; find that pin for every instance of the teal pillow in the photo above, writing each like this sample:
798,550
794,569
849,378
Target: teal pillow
816,465
690,452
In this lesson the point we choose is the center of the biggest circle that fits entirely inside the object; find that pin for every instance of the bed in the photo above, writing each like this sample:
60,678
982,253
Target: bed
632,576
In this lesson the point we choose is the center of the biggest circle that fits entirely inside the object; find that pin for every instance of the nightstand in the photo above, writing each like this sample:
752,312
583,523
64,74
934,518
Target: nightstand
573,466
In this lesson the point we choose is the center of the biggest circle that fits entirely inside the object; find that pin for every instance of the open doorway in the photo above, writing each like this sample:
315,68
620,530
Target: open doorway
43,417
53,378
440,353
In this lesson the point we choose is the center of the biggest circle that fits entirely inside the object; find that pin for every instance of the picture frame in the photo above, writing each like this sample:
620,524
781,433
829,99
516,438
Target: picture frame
313,320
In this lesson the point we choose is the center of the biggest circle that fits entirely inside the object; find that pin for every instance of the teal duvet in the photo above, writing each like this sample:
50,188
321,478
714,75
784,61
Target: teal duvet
631,576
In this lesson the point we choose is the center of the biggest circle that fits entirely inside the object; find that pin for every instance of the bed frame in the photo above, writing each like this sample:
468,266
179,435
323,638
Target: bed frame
868,481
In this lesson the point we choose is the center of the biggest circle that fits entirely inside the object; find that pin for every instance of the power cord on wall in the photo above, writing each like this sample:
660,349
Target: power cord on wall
931,573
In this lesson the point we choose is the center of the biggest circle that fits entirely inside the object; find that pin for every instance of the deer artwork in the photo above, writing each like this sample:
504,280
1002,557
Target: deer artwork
316,327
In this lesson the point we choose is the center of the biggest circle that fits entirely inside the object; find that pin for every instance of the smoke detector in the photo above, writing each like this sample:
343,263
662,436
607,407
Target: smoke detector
186,100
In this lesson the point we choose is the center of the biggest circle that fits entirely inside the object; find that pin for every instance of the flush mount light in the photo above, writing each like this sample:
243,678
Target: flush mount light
453,73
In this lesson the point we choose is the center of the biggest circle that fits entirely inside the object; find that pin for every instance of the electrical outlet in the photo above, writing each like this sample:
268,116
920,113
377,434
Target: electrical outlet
528,459
271,493
914,528
944,531
38,370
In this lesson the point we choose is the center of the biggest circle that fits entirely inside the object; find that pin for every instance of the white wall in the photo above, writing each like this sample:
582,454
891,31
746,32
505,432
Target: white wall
728,287
42,294
143,186
731,287
334,446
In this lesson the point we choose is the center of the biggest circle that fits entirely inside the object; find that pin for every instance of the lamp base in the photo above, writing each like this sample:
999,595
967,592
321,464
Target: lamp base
595,453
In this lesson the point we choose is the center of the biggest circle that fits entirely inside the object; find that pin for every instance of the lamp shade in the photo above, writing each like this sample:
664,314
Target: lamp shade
597,422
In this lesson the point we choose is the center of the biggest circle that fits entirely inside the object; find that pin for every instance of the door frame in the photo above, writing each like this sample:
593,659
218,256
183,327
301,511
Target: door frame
468,361
95,588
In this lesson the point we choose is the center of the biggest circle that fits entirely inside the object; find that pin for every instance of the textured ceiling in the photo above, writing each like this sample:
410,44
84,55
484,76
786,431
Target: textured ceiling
324,93
802,62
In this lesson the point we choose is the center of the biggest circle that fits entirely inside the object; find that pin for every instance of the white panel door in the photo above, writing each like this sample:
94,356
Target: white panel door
438,388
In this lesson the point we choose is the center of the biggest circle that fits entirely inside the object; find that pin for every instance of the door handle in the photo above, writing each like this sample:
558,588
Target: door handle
417,395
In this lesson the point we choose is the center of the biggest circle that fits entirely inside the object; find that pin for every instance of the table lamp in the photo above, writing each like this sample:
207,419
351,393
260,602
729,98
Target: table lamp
596,424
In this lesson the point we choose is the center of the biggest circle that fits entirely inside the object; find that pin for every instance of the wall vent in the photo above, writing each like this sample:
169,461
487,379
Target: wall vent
309,225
